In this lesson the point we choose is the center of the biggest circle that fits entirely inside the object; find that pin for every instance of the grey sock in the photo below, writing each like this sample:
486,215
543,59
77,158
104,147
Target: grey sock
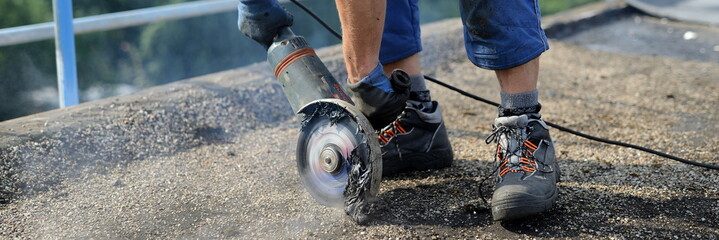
417,83
419,94
520,100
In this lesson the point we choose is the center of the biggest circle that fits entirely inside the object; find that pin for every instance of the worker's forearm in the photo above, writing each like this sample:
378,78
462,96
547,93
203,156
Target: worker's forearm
362,25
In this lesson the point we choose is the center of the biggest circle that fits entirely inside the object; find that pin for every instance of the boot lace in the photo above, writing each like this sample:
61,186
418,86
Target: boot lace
515,153
390,131
526,162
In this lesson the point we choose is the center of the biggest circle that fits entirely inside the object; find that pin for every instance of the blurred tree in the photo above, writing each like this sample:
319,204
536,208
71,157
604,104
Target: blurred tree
25,61
28,71
180,49
156,53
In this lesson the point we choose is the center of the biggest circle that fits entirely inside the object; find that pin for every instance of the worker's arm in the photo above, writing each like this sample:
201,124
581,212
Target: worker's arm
381,99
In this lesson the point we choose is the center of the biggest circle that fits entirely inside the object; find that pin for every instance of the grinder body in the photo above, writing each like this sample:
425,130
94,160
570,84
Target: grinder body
303,76
338,155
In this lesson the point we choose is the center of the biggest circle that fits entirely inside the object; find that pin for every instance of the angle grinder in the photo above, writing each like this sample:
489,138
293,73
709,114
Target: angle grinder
338,154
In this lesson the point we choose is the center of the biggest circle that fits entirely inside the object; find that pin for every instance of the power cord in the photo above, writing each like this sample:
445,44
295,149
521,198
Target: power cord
577,133
558,127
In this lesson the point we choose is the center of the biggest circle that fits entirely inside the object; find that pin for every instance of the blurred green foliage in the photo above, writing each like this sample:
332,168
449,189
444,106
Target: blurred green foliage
550,7
153,54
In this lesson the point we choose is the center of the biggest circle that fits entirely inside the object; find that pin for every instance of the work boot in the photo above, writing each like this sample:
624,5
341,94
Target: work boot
528,170
417,140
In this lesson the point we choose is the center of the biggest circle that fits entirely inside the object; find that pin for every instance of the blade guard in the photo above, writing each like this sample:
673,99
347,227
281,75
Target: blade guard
366,159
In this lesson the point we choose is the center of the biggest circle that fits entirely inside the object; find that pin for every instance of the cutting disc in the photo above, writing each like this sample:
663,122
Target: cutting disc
338,157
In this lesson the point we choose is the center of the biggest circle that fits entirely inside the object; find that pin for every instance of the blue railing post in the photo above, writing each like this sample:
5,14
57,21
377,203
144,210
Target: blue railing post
65,53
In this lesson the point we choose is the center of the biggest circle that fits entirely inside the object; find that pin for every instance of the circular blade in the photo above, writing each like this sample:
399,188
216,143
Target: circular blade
327,181
338,157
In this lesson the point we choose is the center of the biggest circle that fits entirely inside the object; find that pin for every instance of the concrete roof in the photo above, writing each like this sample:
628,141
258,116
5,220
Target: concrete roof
700,11
213,157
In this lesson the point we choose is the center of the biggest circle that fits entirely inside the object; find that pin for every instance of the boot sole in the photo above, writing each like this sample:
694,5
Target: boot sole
518,207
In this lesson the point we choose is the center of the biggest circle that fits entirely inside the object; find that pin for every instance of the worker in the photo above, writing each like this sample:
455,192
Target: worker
381,36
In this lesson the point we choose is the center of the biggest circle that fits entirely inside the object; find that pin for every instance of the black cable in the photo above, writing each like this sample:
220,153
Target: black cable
640,148
577,133
313,15
558,127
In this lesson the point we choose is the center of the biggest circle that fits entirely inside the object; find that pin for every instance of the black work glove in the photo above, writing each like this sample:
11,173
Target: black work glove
380,103
262,20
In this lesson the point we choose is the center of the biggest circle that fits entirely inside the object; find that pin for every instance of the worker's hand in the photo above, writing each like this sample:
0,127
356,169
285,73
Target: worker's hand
381,102
262,20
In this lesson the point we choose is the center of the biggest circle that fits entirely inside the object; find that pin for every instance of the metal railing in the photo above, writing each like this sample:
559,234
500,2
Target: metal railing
65,53
65,27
